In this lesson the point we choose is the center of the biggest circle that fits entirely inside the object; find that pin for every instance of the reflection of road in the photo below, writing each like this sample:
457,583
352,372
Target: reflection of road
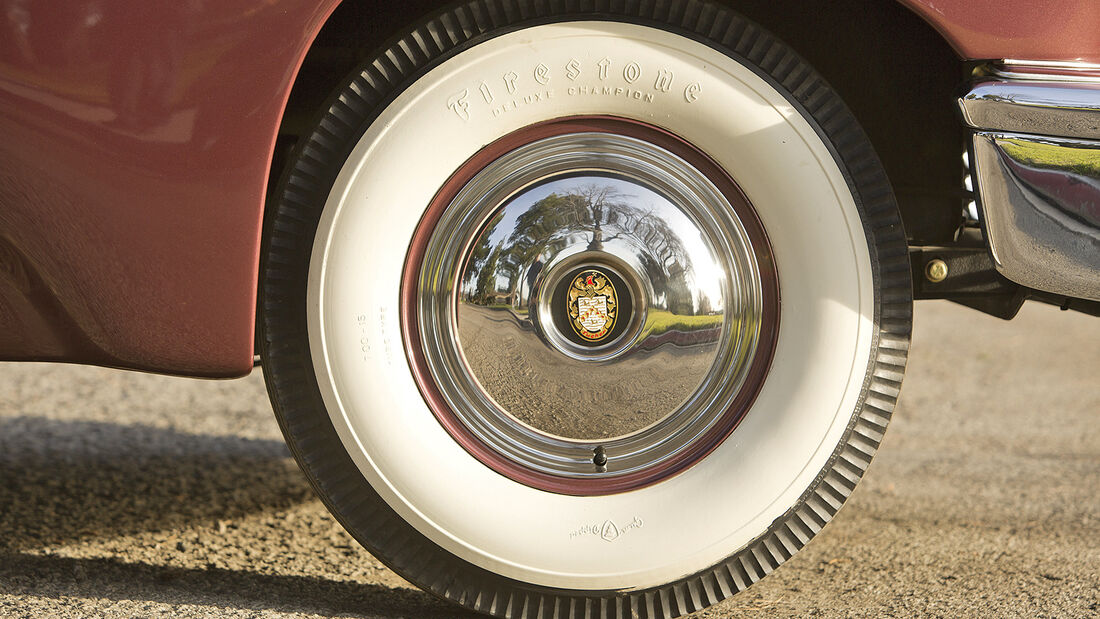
549,391
131,495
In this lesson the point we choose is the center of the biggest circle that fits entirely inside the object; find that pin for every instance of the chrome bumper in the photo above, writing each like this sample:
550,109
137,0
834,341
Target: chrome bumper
1036,153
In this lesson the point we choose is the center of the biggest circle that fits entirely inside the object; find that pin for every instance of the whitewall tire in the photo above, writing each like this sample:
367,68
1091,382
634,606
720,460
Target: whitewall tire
387,443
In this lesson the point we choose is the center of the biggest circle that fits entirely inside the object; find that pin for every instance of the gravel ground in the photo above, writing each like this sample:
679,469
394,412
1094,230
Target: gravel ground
130,495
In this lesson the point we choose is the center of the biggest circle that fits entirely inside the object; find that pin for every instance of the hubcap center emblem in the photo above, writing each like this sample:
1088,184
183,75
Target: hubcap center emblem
592,304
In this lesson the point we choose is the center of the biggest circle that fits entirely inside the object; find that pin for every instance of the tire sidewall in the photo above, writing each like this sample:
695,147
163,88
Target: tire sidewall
354,206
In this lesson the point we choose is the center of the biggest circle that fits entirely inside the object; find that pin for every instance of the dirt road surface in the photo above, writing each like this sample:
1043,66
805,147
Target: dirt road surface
130,495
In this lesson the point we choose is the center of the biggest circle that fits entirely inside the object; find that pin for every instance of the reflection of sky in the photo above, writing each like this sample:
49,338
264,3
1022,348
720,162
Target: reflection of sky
707,276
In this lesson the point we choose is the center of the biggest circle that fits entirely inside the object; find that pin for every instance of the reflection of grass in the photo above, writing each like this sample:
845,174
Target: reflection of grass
1080,160
660,321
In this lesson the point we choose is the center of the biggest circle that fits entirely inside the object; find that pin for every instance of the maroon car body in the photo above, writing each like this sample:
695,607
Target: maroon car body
138,141
1060,30
137,146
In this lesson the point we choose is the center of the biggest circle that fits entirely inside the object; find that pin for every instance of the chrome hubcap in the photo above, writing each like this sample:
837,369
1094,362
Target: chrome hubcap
590,305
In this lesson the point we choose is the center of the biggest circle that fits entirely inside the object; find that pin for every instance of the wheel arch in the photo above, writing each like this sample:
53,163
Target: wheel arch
906,106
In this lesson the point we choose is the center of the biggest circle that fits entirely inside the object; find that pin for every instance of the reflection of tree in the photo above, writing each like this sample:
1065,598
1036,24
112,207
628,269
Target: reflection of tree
594,214
602,214
585,210
482,262
486,278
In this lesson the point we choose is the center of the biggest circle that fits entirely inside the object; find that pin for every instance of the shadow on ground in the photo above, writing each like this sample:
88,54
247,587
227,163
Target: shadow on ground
66,483
228,589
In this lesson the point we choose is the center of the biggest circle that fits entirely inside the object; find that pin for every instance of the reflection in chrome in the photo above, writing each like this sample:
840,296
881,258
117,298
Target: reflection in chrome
1041,203
1063,109
494,304
1044,70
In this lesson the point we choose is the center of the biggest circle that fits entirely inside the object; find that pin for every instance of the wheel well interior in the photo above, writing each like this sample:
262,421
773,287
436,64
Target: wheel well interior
894,71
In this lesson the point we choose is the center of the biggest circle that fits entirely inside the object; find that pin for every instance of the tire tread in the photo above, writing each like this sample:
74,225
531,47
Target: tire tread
311,437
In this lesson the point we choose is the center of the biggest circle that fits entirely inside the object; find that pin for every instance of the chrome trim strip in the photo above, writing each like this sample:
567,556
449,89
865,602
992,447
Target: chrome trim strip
1072,65
1040,200
1062,109
1025,73
1042,70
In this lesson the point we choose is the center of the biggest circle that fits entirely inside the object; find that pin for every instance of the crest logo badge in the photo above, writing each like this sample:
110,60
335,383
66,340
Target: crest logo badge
593,305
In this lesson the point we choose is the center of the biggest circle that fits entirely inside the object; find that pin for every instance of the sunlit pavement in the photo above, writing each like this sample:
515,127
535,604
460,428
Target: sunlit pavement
124,494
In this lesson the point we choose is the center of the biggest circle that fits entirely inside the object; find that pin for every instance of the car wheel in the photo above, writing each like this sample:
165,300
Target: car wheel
584,313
